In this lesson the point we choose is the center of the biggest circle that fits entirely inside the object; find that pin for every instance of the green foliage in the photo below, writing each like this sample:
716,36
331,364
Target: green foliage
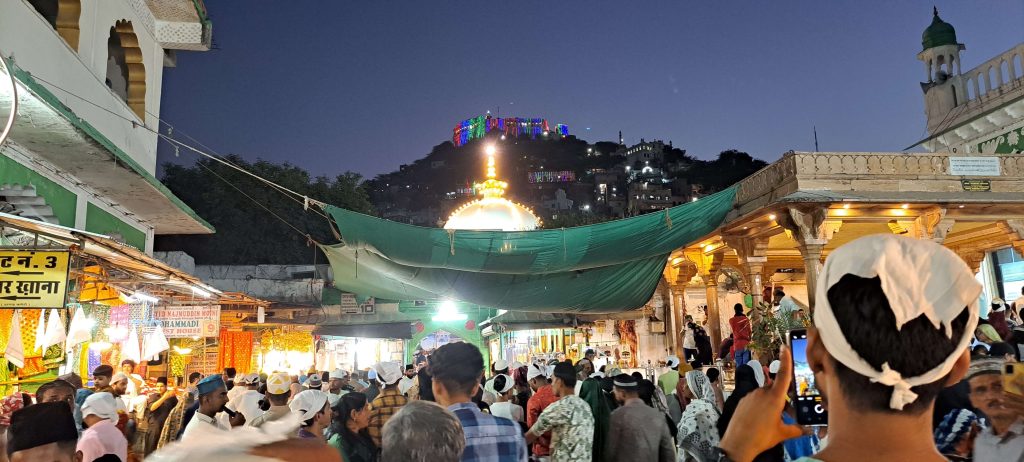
768,330
246,232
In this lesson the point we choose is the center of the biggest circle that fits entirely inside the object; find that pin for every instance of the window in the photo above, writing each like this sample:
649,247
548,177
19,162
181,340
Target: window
63,17
126,74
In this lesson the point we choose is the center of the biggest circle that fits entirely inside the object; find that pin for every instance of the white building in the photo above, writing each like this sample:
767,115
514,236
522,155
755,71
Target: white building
88,73
978,110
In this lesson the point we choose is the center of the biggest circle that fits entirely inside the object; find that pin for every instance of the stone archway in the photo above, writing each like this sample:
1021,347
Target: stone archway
126,72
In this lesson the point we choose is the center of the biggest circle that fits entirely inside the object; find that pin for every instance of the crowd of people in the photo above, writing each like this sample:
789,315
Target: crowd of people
906,365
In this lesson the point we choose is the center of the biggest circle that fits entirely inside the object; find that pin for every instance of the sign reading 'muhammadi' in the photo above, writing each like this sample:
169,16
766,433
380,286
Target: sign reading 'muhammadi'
33,278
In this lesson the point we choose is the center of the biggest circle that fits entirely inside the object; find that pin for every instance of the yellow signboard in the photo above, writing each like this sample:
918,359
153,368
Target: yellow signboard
33,278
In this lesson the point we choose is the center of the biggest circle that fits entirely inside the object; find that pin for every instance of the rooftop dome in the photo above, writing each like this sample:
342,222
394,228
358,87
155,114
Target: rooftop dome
492,212
938,33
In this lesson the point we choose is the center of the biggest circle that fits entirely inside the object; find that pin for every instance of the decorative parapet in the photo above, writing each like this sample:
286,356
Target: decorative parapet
837,170
176,24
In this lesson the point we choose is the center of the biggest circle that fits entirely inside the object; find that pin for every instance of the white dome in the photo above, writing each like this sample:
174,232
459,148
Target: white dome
493,213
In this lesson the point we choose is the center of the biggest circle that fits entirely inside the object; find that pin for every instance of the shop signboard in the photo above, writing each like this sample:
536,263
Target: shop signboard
33,278
189,321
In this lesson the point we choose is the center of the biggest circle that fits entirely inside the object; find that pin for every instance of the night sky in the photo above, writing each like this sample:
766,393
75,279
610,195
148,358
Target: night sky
366,86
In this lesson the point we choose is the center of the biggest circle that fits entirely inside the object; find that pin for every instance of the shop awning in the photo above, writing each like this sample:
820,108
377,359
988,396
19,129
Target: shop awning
401,330
603,268
124,267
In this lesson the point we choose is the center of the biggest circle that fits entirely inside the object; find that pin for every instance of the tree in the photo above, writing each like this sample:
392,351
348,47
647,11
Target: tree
243,210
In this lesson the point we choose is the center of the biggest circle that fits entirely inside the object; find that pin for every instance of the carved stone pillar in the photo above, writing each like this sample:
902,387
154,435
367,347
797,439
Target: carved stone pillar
1015,230
933,225
811,231
708,268
752,253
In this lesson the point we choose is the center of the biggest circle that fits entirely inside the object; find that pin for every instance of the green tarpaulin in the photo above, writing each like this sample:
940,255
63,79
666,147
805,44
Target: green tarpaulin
607,267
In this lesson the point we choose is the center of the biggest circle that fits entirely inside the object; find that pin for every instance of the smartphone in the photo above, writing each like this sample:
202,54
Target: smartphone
810,409
1013,378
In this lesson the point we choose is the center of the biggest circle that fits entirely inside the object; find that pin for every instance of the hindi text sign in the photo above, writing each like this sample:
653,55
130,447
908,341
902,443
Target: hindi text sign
189,321
974,166
33,278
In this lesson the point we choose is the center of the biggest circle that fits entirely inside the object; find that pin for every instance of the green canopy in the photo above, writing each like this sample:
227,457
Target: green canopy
607,267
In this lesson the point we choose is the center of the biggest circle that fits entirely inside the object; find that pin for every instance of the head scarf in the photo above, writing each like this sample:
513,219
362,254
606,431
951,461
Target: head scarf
746,382
591,393
987,334
919,278
700,386
954,427
102,405
758,371
308,403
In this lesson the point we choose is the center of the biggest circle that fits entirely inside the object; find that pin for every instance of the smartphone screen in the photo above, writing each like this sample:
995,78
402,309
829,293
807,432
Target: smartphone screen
808,403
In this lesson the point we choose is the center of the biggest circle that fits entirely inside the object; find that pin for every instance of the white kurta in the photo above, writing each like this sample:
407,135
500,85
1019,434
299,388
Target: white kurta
201,423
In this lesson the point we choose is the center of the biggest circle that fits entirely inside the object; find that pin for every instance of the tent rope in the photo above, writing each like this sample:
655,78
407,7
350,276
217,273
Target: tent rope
451,240
668,219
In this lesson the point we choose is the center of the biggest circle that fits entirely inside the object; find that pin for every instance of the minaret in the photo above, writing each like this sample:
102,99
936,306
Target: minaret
943,87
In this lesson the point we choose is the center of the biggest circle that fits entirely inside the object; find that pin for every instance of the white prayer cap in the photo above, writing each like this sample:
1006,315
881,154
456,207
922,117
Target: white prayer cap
248,403
308,403
773,367
672,361
918,277
278,383
338,374
102,405
515,365
249,379
388,372
534,371
118,377
500,365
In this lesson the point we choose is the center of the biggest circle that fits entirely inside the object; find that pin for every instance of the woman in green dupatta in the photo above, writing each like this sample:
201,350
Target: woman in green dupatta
592,394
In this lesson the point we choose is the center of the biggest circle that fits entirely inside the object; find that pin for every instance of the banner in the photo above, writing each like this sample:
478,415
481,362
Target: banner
189,321
33,278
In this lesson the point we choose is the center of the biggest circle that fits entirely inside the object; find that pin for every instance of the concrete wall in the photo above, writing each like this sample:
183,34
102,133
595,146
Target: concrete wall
38,49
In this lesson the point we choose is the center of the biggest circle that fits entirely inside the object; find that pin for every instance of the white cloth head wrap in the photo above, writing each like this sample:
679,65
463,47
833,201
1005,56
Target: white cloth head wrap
388,372
918,277
535,371
308,403
248,403
758,371
102,405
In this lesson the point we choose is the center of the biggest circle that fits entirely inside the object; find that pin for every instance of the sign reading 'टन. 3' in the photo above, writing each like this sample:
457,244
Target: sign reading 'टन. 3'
189,321
33,278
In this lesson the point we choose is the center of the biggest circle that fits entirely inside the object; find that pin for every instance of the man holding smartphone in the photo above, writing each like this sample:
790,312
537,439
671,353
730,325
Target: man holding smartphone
1004,411
880,300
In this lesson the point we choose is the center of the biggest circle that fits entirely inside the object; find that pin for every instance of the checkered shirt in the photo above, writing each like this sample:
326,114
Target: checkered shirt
489,438
387,403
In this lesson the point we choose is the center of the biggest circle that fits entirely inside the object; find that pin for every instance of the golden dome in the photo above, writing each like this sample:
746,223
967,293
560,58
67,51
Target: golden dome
492,212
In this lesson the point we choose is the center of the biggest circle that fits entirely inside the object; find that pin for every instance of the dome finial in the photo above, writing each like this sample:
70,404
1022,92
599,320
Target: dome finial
935,10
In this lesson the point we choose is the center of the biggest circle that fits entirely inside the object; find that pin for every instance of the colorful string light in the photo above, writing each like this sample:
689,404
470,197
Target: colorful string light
478,127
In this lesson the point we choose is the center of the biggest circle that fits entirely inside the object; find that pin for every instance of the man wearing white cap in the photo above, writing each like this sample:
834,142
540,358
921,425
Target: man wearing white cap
101,436
1004,437
543,396
497,367
315,413
670,379
389,401
278,392
336,386
879,300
